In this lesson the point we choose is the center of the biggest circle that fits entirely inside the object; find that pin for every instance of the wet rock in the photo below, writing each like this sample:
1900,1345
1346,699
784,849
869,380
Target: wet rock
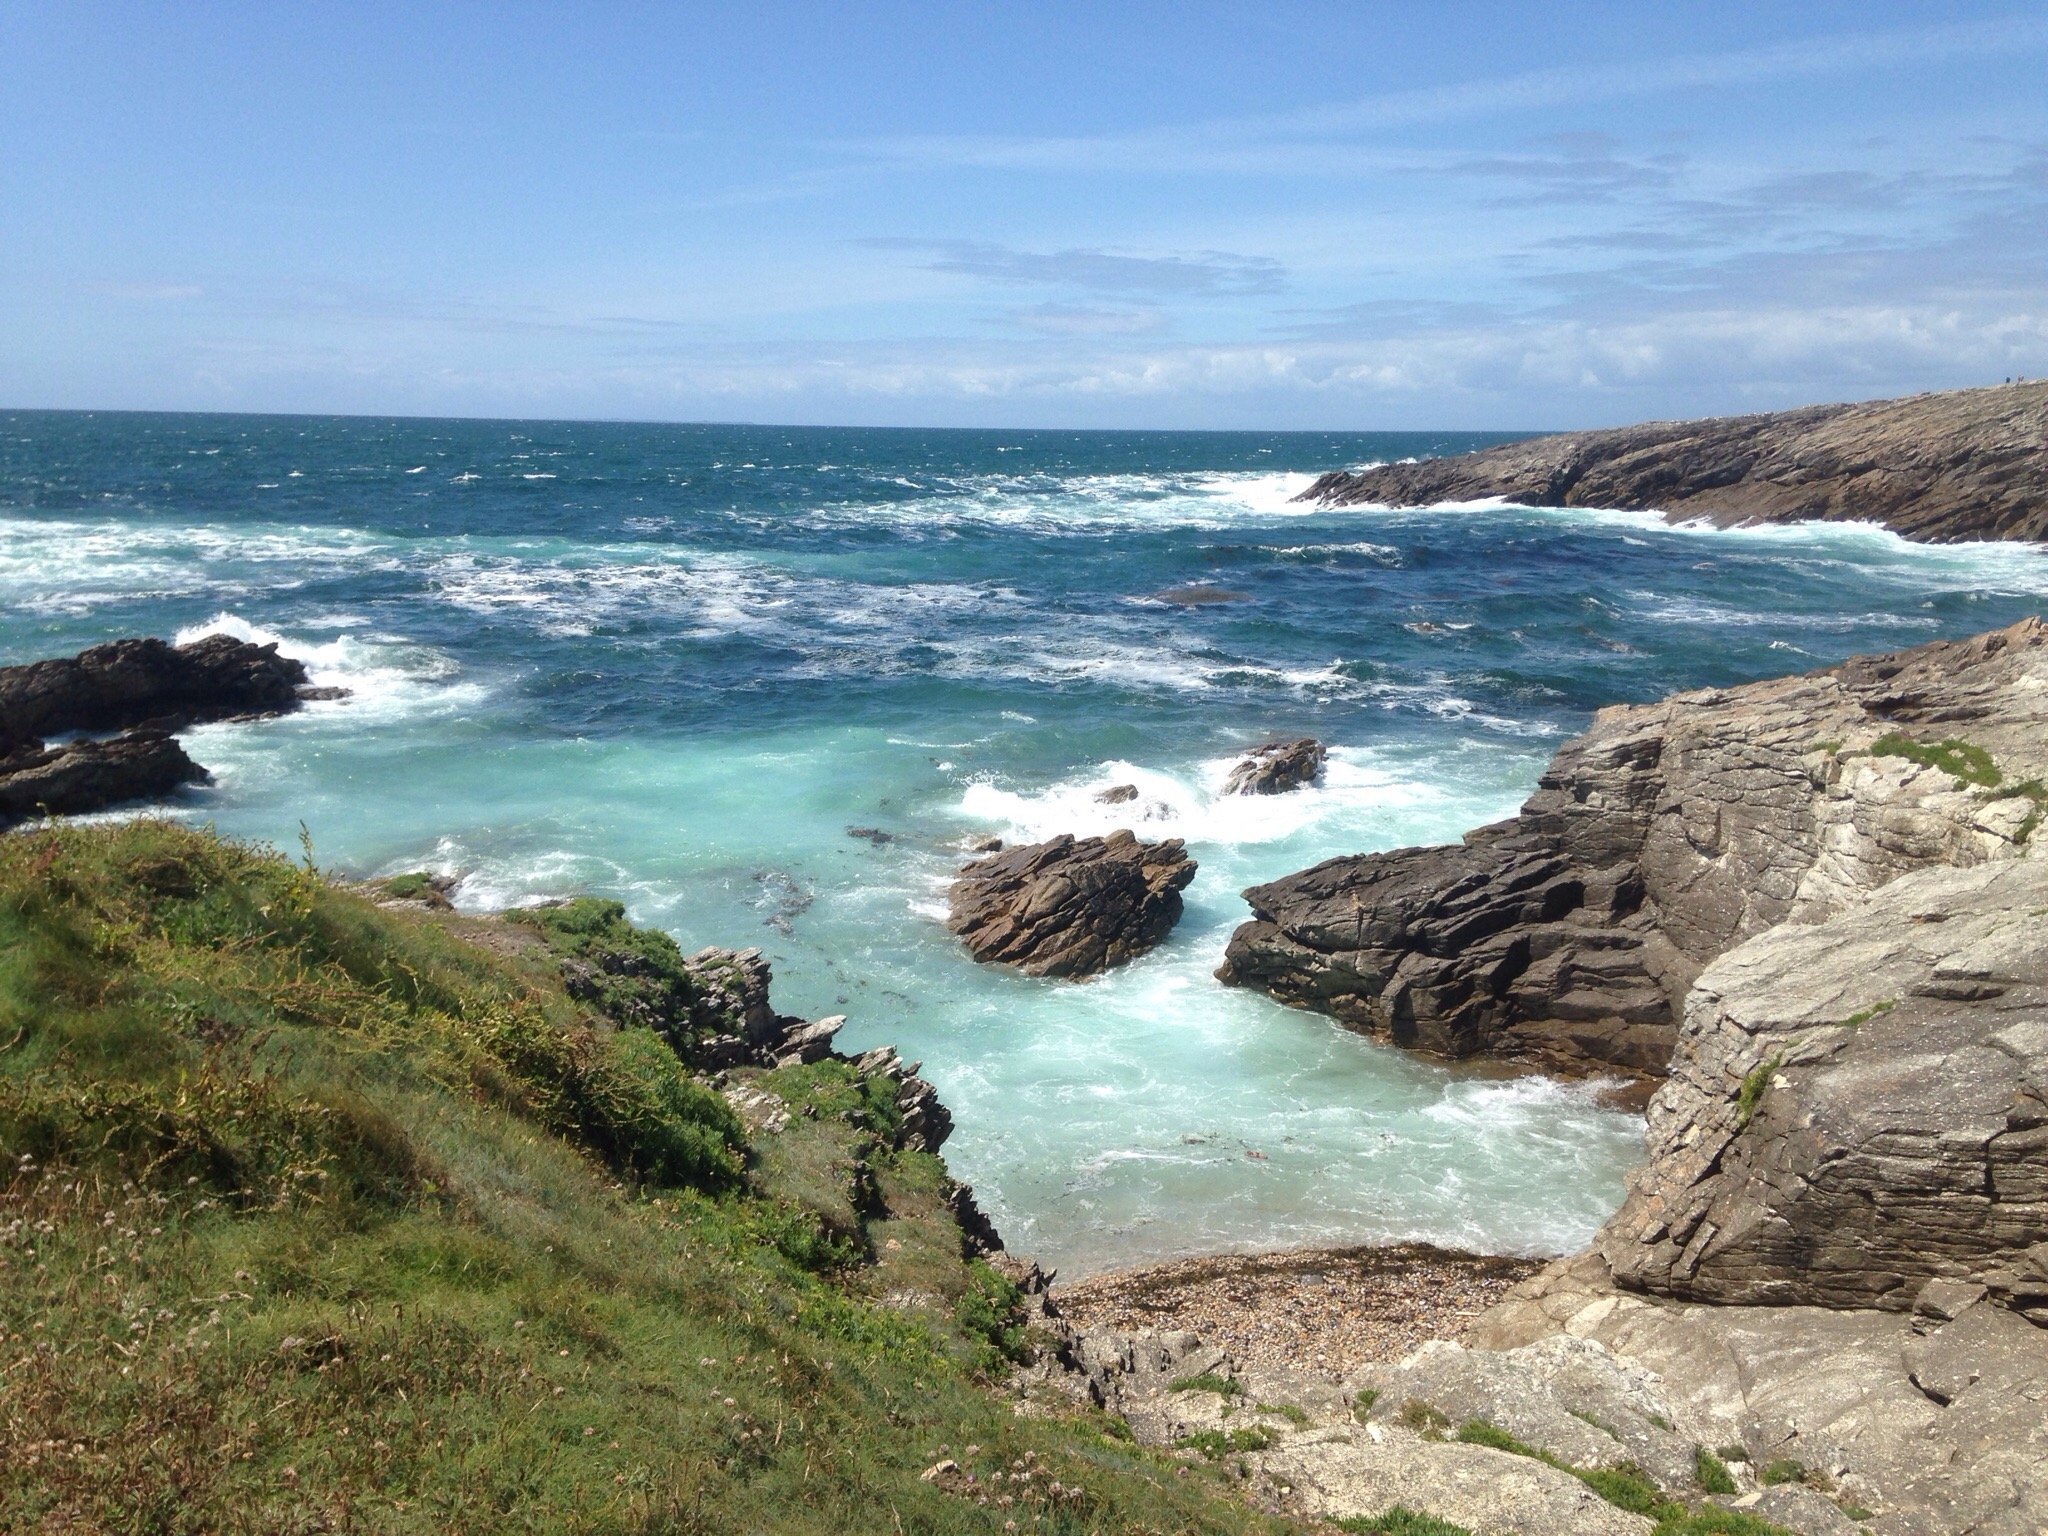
1070,907
128,683
1277,767
872,835
1968,464
1117,794
143,689
1657,840
91,775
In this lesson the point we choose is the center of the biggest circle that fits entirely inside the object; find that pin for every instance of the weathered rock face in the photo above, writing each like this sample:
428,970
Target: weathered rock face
1657,840
143,688
128,683
1970,464
1859,1107
1070,907
1277,767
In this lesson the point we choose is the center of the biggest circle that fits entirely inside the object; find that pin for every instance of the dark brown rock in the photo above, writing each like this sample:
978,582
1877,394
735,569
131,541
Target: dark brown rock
1277,767
1656,841
1970,464
1199,595
1070,907
81,776
1117,794
128,683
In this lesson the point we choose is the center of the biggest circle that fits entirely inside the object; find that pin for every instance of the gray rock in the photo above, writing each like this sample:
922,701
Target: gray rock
1658,839
1968,464
1277,767
1070,907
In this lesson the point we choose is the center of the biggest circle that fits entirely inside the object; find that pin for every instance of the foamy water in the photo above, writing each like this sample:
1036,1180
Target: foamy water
675,665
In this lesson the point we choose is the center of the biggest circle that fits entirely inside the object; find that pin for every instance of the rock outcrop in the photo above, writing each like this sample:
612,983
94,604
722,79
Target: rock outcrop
1070,907
1656,841
1971,464
1277,767
129,683
1858,1109
141,689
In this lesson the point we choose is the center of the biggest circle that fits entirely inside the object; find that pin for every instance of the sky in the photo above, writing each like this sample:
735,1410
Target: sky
1178,215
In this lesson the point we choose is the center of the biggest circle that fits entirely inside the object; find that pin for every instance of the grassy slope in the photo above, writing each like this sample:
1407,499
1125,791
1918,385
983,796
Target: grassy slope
317,1215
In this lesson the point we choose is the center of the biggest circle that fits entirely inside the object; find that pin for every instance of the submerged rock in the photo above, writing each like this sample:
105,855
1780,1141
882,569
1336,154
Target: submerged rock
1968,464
1200,595
1070,907
1660,838
1277,767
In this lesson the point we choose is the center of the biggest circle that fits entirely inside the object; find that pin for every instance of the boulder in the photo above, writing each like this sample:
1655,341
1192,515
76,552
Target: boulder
1070,907
1656,841
1277,767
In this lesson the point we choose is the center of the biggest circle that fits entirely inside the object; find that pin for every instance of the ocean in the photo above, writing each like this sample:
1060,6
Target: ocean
677,664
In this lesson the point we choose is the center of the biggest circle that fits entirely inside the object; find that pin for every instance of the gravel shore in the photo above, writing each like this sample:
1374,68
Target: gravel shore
1324,1309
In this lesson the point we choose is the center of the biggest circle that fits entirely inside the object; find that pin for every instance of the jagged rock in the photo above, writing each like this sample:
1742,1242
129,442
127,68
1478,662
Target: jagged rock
1277,767
1070,907
1859,1107
1968,464
926,1121
1655,841
128,683
90,775
144,689
1117,794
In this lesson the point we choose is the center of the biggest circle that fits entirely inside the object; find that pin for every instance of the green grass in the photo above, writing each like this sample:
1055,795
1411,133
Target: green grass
1863,1016
1296,1416
1215,1444
1712,1473
1400,1522
1754,1084
1775,1473
1966,762
320,1215
1222,1386
1361,1405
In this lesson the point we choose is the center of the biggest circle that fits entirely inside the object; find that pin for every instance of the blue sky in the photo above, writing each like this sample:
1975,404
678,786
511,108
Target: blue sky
1176,215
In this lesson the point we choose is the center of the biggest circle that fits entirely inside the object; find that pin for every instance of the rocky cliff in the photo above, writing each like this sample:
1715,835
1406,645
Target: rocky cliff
1971,464
1664,835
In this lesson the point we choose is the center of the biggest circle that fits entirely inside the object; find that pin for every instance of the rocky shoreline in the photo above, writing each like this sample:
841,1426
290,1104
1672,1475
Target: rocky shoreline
1968,464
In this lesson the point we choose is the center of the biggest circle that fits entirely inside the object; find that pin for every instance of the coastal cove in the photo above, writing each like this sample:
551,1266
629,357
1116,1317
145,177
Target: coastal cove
676,665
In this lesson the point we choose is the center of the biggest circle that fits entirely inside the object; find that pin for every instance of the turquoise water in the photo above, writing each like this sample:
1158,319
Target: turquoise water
676,664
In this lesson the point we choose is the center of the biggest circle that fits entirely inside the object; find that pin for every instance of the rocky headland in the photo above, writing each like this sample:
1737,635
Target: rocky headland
1813,906
1571,936
1969,464
1070,906
117,706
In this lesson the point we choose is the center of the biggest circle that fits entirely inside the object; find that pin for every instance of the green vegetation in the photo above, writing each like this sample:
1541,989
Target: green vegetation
1733,1453
321,1216
1423,1419
1361,1405
1626,1487
1401,1522
1222,1386
1712,1473
1754,1082
1215,1444
416,886
1298,1417
1966,762
1774,1473
1863,1016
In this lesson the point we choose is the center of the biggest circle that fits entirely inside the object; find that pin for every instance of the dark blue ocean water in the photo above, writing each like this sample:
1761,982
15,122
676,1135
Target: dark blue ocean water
676,663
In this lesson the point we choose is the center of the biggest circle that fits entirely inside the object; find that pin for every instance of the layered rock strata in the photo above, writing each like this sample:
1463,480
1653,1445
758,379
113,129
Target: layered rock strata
1661,837
1970,464
1070,906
